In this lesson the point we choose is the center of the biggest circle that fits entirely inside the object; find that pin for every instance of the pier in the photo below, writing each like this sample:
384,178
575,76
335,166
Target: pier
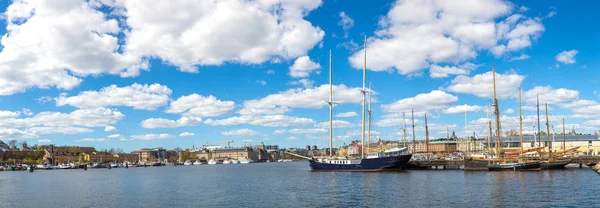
456,164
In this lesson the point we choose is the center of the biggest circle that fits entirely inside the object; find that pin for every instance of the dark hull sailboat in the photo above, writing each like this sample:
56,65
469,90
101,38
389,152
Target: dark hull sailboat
476,164
393,159
521,166
555,164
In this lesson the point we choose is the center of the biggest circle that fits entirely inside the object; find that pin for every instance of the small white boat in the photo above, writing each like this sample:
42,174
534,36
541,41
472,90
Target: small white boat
245,160
197,162
214,162
187,163
234,161
227,162
114,165
40,167
64,166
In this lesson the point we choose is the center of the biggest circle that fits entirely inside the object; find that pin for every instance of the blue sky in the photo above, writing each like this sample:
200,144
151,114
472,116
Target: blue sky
187,73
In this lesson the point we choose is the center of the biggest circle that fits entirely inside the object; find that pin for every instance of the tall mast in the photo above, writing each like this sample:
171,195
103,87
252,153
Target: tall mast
520,122
490,125
548,133
412,112
364,98
564,136
426,134
497,112
538,120
404,129
330,106
369,111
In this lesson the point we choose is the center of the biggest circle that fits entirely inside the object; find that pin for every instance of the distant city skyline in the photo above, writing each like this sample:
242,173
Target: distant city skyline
131,75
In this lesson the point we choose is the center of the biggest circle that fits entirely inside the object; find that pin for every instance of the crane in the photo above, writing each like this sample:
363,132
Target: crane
228,142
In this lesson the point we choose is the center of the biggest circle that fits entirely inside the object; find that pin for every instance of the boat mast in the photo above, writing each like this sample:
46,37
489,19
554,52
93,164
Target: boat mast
369,111
412,112
564,136
538,120
520,123
496,111
364,97
404,129
426,134
548,133
490,125
330,106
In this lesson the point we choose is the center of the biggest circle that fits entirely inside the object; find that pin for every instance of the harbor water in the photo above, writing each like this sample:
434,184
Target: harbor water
292,184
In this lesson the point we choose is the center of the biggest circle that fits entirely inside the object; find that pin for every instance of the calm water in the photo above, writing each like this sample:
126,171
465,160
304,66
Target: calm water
293,185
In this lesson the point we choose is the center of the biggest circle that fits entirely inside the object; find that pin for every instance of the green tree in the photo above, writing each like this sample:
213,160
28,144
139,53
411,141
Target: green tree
173,158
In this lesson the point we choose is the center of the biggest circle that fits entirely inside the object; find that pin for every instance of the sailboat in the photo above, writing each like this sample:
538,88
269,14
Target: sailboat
394,158
503,164
552,161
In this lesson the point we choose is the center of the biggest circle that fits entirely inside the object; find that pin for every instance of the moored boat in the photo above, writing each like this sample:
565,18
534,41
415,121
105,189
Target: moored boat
245,160
516,166
197,162
214,162
555,164
187,163
391,159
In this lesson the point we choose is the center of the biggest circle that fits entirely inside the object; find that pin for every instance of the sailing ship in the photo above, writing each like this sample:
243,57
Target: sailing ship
552,161
502,163
394,158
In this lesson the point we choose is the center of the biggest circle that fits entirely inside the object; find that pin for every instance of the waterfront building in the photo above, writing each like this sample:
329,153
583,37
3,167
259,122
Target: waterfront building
233,153
149,155
442,145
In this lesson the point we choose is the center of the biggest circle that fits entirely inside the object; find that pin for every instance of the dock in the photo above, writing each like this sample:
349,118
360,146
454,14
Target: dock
457,164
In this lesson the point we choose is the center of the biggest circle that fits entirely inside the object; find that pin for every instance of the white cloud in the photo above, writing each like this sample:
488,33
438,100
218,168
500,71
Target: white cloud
303,66
109,128
241,132
44,141
346,114
306,83
59,130
481,85
152,136
152,123
270,71
436,71
336,124
549,95
301,98
509,111
208,33
279,131
186,134
521,57
267,120
261,82
99,140
307,131
415,34
137,96
26,112
201,106
346,22
16,134
54,45
434,100
567,57
461,109
583,108
113,136
534,108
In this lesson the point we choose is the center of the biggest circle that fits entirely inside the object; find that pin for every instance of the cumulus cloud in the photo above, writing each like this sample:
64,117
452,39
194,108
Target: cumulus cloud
521,57
44,141
16,134
54,45
137,96
306,83
346,114
416,33
461,109
109,128
566,57
303,66
114,136
301,98
549,95
266,120
434,100
436,71
152,136
58,130
307,131
261,82
241,132
481,85
153,123
201,106
336,124
509,111
186,134
346,22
